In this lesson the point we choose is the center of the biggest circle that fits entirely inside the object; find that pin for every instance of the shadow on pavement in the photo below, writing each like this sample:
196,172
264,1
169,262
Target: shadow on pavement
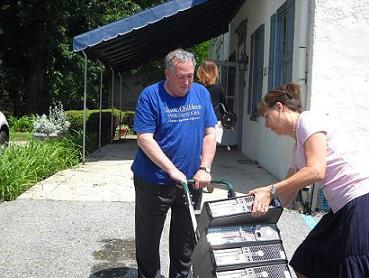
117,272
126,272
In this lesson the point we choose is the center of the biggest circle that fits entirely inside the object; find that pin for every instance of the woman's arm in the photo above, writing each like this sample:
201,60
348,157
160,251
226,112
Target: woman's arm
287,197
315,149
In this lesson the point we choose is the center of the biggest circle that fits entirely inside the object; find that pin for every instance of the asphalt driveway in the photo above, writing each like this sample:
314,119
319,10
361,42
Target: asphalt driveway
80,222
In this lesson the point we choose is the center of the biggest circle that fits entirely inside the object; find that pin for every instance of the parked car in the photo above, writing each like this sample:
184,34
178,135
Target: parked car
4,131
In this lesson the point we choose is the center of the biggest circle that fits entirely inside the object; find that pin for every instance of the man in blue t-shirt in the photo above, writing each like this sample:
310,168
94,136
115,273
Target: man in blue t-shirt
175,123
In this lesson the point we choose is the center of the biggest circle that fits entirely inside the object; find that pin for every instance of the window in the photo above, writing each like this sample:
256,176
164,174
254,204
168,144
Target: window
256,72
281,45
227,79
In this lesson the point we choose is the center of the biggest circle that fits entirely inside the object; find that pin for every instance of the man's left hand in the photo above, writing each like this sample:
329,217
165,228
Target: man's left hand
202,179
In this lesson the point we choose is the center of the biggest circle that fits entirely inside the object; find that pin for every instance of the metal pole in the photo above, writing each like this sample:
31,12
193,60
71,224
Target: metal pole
112,103
120,102
100,107
84,110
190,207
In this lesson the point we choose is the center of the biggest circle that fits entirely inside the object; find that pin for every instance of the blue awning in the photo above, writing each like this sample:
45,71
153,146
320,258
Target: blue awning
150,34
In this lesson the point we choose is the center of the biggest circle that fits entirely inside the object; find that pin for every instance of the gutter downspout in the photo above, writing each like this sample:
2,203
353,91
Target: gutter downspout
302,37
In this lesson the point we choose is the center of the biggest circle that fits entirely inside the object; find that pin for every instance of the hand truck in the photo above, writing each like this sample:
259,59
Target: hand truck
231,194
230,243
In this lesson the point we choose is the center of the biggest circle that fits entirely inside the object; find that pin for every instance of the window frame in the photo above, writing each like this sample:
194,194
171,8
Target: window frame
256,71
281,45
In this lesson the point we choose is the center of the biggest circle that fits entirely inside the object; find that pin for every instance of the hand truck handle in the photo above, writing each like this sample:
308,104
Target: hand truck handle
228,185
190,208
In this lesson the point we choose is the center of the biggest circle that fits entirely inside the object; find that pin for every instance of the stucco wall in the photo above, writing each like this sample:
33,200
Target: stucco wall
271,151
340,65
330,62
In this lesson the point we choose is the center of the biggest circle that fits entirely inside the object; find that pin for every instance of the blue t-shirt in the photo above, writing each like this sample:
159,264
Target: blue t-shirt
178,124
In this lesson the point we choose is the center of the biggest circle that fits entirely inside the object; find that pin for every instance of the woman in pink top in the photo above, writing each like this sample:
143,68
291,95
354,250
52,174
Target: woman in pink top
338,246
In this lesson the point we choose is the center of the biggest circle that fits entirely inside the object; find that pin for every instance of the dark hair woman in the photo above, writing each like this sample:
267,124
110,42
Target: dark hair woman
338,246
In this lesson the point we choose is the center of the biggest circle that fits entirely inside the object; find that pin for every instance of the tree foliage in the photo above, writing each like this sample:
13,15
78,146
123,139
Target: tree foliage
37,63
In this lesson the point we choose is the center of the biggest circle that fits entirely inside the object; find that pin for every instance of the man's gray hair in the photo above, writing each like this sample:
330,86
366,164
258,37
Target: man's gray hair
179,55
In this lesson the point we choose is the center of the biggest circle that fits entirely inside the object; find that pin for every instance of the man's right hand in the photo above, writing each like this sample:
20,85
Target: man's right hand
151,148
177,175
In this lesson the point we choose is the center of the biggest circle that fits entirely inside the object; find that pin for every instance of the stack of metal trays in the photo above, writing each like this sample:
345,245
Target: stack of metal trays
234,244
235,210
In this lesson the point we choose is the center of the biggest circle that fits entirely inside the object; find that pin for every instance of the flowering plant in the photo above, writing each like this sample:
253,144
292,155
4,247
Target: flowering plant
55,123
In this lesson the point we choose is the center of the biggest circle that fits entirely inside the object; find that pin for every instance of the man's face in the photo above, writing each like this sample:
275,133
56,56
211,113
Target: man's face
180,79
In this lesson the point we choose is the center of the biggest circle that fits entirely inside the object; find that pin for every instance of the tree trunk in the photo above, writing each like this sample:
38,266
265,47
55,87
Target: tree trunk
36,93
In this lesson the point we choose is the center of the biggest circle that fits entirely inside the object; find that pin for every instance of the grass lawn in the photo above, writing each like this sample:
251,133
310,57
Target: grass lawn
20,136
23,166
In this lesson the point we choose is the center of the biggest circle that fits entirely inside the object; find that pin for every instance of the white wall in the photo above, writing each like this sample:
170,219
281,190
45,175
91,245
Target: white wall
271,151
330,61
340,65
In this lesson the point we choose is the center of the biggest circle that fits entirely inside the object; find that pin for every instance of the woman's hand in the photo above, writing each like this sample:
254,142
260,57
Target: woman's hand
263,197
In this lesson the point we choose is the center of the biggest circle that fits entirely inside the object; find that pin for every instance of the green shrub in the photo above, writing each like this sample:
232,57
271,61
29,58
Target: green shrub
77,139
23,166
92,123
127,118
75,117
23,124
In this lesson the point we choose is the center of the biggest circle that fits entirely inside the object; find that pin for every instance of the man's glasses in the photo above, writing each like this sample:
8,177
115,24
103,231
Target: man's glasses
182,57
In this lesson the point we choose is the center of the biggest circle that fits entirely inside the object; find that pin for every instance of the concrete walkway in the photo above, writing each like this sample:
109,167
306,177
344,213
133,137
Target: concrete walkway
80,221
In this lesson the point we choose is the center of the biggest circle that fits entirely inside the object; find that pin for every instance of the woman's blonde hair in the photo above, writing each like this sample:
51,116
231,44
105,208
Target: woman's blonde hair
208,73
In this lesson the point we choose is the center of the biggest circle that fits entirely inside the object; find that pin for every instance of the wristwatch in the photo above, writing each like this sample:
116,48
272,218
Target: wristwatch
274,192
206,169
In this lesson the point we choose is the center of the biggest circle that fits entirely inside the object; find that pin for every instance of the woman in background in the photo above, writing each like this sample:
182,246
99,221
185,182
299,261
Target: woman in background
208,75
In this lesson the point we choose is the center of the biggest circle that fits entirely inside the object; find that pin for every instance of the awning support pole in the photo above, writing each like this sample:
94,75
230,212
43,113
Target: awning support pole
84,109
112,103
100,104
120,102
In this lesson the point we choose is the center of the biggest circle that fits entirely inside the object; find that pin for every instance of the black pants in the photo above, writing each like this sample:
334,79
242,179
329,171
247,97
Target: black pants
152,204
